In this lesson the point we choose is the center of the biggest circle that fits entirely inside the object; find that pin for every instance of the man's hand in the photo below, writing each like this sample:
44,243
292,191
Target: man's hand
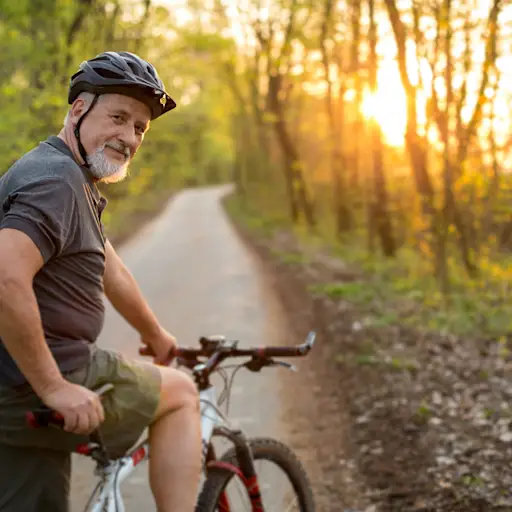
162,345
80,407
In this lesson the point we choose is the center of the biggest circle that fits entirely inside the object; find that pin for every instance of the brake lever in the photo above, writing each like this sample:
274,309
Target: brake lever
256,364
286,365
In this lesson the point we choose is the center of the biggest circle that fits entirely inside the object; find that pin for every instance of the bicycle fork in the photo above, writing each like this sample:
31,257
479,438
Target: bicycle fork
244,468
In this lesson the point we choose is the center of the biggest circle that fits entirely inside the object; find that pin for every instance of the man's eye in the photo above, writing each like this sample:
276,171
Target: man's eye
117,118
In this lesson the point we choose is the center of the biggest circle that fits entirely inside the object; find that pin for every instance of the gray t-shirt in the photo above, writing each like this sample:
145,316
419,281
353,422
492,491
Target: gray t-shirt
53,200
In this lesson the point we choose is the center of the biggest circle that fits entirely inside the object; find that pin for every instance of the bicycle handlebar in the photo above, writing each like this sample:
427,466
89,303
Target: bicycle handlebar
228,349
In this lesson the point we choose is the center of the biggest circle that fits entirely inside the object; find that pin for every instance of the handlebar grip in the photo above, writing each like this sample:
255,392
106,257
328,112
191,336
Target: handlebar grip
43,418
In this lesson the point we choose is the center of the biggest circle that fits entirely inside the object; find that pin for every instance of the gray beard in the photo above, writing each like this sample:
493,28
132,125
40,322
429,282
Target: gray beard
104,170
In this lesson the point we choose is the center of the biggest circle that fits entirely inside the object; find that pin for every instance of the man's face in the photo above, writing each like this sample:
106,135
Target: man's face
112,133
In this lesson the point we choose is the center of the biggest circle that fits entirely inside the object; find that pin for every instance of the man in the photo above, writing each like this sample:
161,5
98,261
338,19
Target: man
55,265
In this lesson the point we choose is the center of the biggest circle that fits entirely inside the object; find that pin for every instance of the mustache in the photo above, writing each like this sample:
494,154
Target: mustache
125,150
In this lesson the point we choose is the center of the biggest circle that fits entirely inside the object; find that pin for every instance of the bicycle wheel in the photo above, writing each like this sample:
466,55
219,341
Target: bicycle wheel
268,454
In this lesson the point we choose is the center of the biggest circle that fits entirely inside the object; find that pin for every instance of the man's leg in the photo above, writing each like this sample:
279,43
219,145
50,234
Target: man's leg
175,444
167,400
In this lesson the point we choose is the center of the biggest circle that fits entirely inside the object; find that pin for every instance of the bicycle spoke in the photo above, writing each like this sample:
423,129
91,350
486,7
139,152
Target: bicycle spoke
276,490
294,506
242,495
237,495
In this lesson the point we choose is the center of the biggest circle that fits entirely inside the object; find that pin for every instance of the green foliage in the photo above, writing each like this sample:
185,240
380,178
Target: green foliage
473,481
424,412
358,292
250,215
410,294
400,364
366,360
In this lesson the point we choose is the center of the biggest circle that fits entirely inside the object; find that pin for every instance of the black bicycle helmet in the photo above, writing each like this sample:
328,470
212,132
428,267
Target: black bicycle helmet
122,73
119,73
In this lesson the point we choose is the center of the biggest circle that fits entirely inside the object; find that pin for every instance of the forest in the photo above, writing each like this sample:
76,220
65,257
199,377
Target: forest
377,128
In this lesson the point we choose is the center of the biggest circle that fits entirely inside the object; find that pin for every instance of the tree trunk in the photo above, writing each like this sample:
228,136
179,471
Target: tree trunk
293,166
111,29
490,59
354,163
341,209
241,151
495,179
416,143
451,213
83,9
381,210
139,39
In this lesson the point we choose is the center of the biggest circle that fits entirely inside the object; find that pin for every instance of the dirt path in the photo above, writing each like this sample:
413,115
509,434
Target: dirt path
200,279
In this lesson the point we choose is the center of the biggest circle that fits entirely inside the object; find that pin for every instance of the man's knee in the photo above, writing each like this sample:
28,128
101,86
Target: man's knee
177,390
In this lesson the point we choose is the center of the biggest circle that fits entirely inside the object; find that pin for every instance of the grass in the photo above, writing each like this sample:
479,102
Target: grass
424,413
252,217
403,290
291,258
354,291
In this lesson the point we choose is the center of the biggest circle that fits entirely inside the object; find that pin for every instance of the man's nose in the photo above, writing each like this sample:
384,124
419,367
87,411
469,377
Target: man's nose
129,139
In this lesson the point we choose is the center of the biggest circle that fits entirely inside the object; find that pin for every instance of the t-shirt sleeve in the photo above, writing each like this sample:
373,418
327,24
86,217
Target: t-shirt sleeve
45,210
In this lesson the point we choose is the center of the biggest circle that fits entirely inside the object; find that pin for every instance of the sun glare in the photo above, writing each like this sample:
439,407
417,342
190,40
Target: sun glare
387,106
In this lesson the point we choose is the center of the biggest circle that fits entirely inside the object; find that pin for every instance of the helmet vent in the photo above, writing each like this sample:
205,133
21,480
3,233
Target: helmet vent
108,73
133,67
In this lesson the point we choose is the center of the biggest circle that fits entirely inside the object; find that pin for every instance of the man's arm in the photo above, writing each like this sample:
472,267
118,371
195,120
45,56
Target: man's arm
124,293
20,320
22,334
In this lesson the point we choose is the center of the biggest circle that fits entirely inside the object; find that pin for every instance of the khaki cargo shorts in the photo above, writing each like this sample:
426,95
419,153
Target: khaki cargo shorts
35,463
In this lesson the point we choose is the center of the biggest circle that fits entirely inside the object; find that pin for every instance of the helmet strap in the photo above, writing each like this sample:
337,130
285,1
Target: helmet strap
81,148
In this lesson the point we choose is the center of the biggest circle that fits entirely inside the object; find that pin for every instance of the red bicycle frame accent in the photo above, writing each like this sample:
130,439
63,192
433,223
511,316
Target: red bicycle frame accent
251,484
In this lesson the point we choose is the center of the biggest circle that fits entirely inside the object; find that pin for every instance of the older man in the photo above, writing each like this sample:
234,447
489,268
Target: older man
55,266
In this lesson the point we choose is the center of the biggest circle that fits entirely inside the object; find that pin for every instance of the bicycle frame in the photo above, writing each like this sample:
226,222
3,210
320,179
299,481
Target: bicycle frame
113,474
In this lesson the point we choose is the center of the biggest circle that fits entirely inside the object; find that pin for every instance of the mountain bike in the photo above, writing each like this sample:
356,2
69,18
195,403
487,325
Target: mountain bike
231,483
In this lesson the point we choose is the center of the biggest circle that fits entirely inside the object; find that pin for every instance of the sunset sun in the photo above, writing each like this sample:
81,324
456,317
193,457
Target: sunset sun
387,106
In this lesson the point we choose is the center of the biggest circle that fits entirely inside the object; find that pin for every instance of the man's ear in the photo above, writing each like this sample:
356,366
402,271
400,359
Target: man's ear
78,109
